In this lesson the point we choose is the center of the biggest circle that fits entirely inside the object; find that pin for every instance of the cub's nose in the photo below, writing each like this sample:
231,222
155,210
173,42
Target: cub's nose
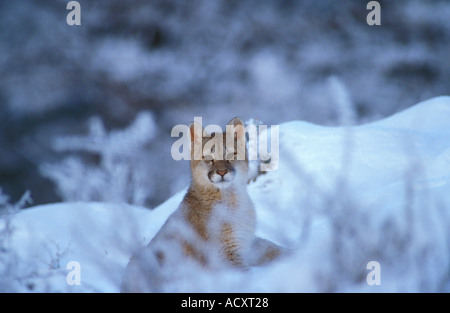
222,172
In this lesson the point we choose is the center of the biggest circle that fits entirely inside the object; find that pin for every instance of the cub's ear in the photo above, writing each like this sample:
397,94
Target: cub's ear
196,135
236,121
238,127
196,131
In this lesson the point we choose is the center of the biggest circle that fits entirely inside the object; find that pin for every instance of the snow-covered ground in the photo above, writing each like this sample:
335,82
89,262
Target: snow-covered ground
340,198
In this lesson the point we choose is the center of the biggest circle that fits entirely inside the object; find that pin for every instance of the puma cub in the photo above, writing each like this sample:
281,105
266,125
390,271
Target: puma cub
214,226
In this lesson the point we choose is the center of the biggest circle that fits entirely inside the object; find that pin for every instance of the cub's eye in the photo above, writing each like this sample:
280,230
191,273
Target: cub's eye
208,158
230,156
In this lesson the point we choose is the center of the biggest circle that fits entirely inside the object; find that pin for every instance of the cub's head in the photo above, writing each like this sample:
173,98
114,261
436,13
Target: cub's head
219,159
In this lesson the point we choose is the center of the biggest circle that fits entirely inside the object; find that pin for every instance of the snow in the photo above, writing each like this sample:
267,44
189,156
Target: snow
340,198
118,177
100,236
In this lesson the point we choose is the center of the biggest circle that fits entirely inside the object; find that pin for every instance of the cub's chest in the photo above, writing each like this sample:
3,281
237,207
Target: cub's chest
230,221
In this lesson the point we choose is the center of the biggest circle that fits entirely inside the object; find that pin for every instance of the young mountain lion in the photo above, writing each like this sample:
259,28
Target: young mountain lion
214,226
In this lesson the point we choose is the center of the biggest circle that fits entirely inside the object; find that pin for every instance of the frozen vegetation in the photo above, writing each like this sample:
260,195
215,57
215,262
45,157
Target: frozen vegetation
86,114
341,198
275,61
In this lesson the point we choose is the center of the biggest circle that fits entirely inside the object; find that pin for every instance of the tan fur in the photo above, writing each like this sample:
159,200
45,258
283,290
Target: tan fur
231,245
207,202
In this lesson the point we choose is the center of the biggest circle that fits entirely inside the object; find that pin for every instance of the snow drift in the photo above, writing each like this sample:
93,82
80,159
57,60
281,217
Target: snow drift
340,198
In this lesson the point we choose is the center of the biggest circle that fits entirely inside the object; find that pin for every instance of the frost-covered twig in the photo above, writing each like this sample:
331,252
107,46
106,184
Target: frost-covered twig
117,177
8,259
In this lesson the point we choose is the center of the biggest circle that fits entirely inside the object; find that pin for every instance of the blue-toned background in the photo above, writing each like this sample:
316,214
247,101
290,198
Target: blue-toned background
75,101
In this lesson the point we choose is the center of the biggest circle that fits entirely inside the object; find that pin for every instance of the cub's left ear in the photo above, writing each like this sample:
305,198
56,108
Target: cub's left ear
236,121
239,127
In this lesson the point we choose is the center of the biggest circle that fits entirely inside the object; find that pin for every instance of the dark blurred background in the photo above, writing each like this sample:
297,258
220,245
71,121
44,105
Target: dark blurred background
76,101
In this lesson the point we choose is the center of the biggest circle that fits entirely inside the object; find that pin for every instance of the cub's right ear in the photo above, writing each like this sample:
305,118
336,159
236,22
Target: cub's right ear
196,135
196,132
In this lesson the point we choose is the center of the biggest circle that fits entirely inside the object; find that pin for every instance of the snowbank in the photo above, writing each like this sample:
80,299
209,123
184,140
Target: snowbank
341,197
